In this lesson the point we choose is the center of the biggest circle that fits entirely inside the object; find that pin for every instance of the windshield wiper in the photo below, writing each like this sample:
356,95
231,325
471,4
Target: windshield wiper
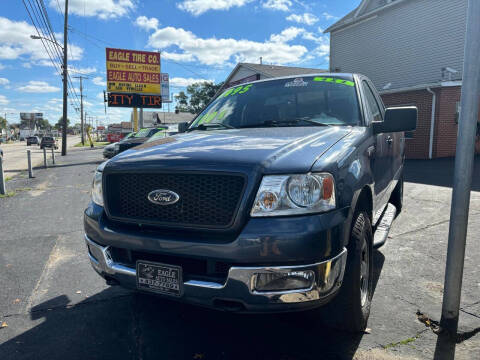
210,126
292,121
307,120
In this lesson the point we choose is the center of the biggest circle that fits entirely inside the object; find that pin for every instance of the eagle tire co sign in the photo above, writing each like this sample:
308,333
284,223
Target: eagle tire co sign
133,78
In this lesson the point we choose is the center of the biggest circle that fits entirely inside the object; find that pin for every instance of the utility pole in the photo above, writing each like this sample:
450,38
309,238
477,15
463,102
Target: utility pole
462,179
82,129
65,74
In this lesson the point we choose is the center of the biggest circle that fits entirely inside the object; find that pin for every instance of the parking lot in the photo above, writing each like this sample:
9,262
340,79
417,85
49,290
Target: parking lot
55,306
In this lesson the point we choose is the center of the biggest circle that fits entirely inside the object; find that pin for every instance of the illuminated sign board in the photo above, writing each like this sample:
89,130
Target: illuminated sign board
134,100
134,72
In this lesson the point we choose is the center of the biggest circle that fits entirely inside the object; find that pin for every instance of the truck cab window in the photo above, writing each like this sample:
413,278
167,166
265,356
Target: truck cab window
373,107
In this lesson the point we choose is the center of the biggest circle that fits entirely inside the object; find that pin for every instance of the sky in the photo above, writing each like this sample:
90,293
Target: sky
198,40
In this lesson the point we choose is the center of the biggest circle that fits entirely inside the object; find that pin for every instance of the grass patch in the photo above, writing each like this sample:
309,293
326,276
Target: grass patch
8,178
403,342
14,192
95,143
8,194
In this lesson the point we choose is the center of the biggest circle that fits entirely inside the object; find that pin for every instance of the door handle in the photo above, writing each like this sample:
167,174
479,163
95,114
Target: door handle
389,140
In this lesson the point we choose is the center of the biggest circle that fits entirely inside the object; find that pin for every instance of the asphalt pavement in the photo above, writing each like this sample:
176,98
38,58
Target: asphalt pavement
56,307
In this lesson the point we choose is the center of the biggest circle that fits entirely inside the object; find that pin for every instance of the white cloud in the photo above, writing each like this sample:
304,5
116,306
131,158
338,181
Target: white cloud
38,87
213,51
3,100
98,80
307,18
287,35
84,71
103,9
184,82
4,81
146,23
15,41
198,7
27,65
328,16
75,71
282,5
100,96
177,57
2,66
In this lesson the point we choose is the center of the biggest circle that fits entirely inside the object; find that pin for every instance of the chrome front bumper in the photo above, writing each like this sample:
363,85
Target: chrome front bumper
239,285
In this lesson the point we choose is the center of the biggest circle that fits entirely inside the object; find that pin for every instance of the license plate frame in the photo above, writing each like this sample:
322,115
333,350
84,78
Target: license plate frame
153,277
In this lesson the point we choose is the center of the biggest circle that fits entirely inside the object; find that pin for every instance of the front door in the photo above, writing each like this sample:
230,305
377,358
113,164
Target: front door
381,155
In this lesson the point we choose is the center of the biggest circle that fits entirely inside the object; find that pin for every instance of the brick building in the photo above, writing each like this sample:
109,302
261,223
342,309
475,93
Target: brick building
413,52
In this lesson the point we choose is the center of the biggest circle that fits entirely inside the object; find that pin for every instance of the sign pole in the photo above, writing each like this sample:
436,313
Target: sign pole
462,178
141,118
135,119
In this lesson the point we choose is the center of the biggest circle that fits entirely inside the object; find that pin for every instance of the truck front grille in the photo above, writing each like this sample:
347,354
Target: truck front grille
206,200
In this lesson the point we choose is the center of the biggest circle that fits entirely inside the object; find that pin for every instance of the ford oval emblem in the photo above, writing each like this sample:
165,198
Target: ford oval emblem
163,197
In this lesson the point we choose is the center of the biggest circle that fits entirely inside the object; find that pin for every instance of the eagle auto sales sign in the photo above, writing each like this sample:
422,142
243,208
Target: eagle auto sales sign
134,72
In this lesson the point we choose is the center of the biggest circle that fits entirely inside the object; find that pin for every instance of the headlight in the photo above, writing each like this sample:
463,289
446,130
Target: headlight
294,194
117,147
97,192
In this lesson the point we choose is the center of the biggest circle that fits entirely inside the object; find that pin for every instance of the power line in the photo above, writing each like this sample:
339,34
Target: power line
48,39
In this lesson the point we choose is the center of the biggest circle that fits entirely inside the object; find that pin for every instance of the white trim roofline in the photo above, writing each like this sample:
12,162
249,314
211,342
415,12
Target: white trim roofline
341,23
422,87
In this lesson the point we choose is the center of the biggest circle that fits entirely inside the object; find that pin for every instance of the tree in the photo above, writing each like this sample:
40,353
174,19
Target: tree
43,124
59,124
182,101
199,95
3,123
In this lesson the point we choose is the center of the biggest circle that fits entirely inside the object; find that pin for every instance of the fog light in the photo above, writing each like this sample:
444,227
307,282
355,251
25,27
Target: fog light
278,281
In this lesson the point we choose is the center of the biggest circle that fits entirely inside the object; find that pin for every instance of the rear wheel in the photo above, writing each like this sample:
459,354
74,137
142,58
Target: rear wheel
351,308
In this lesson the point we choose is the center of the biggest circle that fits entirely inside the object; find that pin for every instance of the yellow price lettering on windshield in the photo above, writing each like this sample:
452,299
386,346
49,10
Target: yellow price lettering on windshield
209,117
334,80
237,90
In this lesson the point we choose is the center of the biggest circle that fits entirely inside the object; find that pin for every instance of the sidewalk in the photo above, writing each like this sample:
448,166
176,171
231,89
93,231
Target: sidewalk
56,307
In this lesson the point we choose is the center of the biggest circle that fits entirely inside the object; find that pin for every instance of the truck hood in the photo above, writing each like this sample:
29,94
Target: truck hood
272,150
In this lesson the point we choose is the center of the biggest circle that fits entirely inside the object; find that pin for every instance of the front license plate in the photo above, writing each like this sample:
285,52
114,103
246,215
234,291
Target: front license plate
159,278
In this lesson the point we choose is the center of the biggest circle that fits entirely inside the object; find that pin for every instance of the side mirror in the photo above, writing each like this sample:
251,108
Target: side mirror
397,119
182,127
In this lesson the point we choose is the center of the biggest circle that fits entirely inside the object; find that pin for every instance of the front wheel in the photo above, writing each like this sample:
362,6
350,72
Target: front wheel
351,308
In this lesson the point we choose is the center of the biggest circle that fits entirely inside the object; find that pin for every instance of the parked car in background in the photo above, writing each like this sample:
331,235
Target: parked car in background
139,138
272,201
33,140
48,142
161,135
109,150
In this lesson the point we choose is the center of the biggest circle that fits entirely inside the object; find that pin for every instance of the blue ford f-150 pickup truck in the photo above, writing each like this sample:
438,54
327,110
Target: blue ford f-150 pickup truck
273,200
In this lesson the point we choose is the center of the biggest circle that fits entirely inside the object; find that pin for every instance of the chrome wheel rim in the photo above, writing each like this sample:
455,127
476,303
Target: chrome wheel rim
364,272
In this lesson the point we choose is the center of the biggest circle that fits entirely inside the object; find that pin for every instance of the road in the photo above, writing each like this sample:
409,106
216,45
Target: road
15,155
56,307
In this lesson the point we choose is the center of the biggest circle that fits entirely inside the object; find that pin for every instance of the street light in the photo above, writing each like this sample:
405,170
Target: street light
65,75
35,37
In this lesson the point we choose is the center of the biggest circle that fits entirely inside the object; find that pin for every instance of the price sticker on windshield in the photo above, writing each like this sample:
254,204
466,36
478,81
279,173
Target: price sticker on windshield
333,80
237,90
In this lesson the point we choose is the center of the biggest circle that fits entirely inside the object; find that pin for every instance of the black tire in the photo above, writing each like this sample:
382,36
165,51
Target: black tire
397,195
350,309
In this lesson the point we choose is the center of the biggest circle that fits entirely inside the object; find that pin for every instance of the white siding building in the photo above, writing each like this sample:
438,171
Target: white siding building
412,50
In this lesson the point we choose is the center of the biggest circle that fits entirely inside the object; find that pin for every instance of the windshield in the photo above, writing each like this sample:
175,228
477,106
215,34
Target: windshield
305,101
159,135
142,133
